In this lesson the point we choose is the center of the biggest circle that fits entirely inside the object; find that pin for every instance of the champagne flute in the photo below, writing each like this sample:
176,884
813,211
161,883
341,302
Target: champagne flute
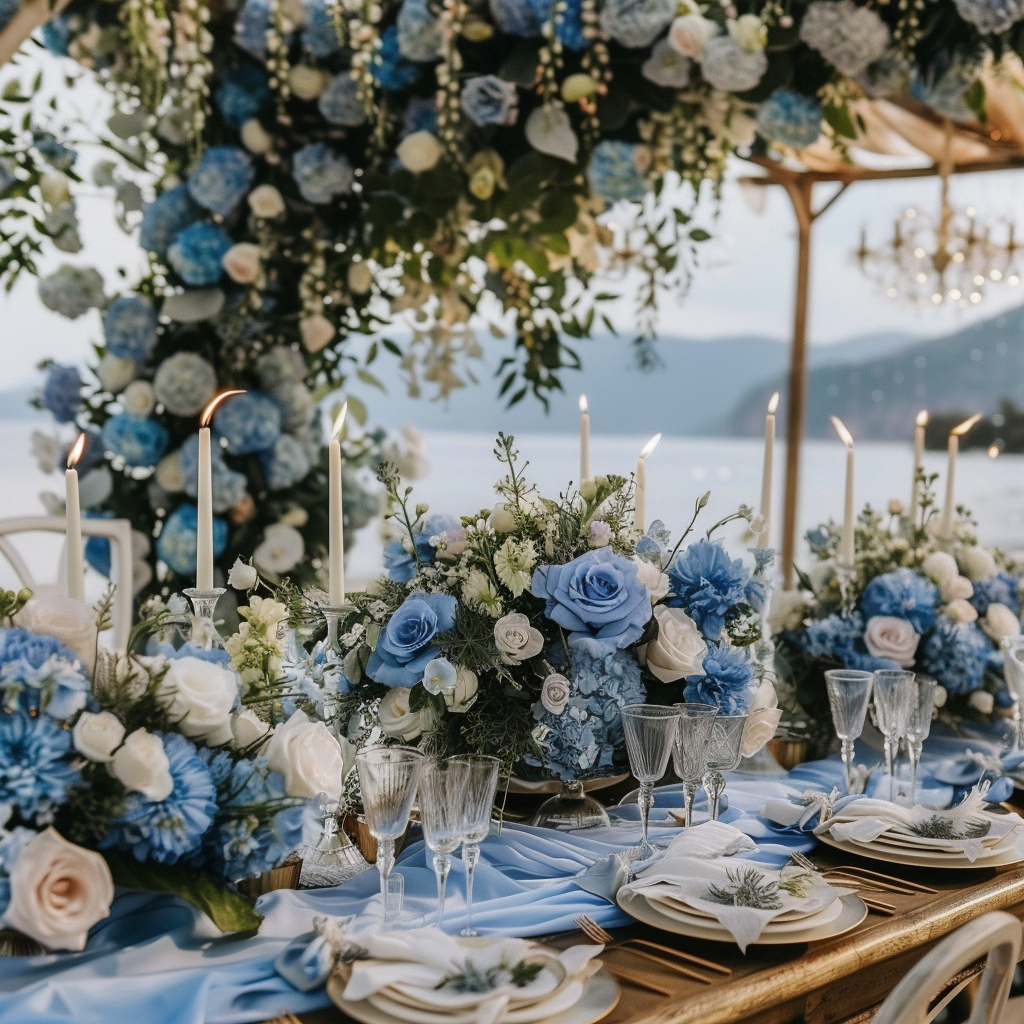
893,695
849,693
479,782
919,724
650,731
690,751
441,814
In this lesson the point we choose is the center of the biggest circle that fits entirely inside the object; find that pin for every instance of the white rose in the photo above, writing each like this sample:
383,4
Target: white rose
115,373
256,138
201,696
678,650
501,520
169,473
419,151
940,567
462,696
66,619
316,331
242,576
764,696
983,701
242,262
138,398
55,187
652,578
749,33
960,610
600,534
140,764
956,587
759,729
786,610
97,736
977,563
516,639
58,892
266,202
281,550
889,637
689,35
360,278
248,730
555,693
397,720
307,82
1000,622
309,757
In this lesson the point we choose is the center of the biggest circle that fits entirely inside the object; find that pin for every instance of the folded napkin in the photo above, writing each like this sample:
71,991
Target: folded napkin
801,811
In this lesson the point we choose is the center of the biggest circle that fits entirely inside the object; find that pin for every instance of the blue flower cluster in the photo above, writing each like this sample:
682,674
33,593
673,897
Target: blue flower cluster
244,92
286,463
419,32
391,70
251,27
166,217
707,584
420,116
37,764
249,423
228,487
405,648
529,17
62,392
488,99
957,654
726,683
401,564
139,440
176,545
321,173
340,103
613,172
197,251
998,589
129,327
903,594
840,639
39,674
320,36
222,178
791,118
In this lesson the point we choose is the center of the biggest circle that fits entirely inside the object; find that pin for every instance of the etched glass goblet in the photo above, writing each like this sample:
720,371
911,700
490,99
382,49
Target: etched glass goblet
849,693
441,815
894,696
690,750
479,782
650,731
725,749
919,724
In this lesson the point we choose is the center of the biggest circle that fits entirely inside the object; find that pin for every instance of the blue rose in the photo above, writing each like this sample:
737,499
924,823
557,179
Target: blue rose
725,683
129,327
176,545
392,71
487,99
321,173
243,94
62,392
222,178
707,583
903,594
420,116
598,593
613,172
405,649
197,252
248,423
400,564
138,440
166,217
791,118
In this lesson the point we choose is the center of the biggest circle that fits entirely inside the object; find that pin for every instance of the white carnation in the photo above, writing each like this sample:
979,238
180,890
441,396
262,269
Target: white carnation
1000,622
940,567
977,563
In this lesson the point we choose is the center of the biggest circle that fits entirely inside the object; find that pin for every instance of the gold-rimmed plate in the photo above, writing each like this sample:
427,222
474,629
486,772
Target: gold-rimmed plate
1009,857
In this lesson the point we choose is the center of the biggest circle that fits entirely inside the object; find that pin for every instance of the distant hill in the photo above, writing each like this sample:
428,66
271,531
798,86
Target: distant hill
877,397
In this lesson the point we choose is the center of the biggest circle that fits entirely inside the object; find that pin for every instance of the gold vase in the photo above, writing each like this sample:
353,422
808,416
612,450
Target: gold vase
284,876
358,831
788,752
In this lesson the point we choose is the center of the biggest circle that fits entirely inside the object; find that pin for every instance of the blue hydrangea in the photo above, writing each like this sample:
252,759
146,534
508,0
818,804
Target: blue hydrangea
55,153
707,583
420,116
840,639
57,34
637,23
340,103
391,70
36,764
244,92
285,464
791,118
943,83
62,392
991,17
419,32
957,654
176,545
139,440
164,831
726,682
405,647
488,99
221,179
129,327
166,217
903,594
251,28
38,673
529,17
248,423
97,549
320,36
998,589
613,172
197,252
400,564
321,173
228,486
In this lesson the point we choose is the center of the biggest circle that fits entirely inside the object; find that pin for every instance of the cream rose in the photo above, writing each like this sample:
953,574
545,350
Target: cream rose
977,563
170,474
316,331
397,720
419,151
201,697
55,187
58,892
960,610
1000,621
983,701
652,578
115,372
889,637
678,650
242,262
941,696
97,736
309,757
555,693
255,137
940,567
462,696
760,728
66,619
955,587
266,202
689,35
140,764
138,398
516,639
248,730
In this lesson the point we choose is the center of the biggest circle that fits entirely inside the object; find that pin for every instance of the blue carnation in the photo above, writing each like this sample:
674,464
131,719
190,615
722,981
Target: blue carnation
957,654
197,252
222,178
129,327
166,217
38,673
707,583
400,564
903,594
164,831
139,440
726,683
176,545
251,28
613,172
36,764
228,486
340,103
248,423
285,464
62,392
321,173
405,647
320,36
791,118
420,116
840,639
488,99
1001,588
419,33
391,70
243,94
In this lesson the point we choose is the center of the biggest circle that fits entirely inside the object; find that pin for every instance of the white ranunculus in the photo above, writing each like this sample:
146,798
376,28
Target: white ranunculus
317,332
939,567
201,696
115,373
266,202
689,34
419,151
242,576
786,610
749,33
55,187
759,729
58,892
516,639
678,650
242,262
889,637
248,730
360,277
983,701
255,137
140,764
309,757
281,550
462,697
169,473
97,736
397,720
555,693
956,587
652,578
501,520
960,610
977,563
1000,621
66,619
138,399
307,82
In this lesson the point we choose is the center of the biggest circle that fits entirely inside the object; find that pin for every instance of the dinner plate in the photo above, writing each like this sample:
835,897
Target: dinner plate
913,849
1002,858
634,904
599,997
682,912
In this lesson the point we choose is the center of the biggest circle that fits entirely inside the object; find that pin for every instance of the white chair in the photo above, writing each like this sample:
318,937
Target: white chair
995,937
117,531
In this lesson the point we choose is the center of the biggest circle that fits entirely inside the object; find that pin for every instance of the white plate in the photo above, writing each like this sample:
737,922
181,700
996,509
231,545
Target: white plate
635,905
600,996
1002,858
774,927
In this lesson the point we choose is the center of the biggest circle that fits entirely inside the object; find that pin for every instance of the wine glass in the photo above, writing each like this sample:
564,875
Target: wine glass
725,749
650,731
387,781
441,815
919,724
1013,670
479,783
849,693
690,750
894,693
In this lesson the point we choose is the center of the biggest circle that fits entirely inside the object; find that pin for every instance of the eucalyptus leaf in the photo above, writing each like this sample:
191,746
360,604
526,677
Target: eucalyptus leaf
549,130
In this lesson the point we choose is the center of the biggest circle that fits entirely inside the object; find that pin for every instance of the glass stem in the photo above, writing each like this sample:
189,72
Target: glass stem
714,783
889,765
646,802
1018,715
914,756
470,857
848,763
442,864
385,862
689,792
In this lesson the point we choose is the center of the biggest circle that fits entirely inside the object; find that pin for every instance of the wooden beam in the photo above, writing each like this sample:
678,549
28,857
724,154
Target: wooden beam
30,16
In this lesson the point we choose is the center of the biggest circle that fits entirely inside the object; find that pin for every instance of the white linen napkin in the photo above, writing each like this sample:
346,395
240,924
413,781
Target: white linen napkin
708,840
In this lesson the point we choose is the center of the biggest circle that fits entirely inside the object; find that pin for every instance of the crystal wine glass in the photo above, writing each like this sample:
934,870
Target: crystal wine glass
894,693
441,814
479,782
387,780
725,749
650,732
919,724
849,693
690,750
1013,670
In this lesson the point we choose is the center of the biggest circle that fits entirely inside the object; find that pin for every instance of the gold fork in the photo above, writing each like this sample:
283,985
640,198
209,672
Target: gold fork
880,882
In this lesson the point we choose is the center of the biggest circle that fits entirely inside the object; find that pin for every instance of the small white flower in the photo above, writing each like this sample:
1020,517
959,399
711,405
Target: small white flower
97,736
55,187
242,262
787,610
317,331
977,563
960,610
983,701
242,576
266,202
115,373
397,720
480,593
419,151
689,34
516,639
439,676
599,535
360,278
281,550
656,582
1000,622
138,398
555,693
256,138
307,82
956,587
141,765
501,520
169,473
941,696
514,562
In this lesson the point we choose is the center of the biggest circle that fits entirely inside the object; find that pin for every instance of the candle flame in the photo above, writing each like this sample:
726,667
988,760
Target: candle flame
773,404
207,416
649,447
922,418
993,451
340,420
961,428
76,451
844,435
583,403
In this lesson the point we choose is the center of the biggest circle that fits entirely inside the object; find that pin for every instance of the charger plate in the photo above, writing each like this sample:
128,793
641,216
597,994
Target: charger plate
1011,856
